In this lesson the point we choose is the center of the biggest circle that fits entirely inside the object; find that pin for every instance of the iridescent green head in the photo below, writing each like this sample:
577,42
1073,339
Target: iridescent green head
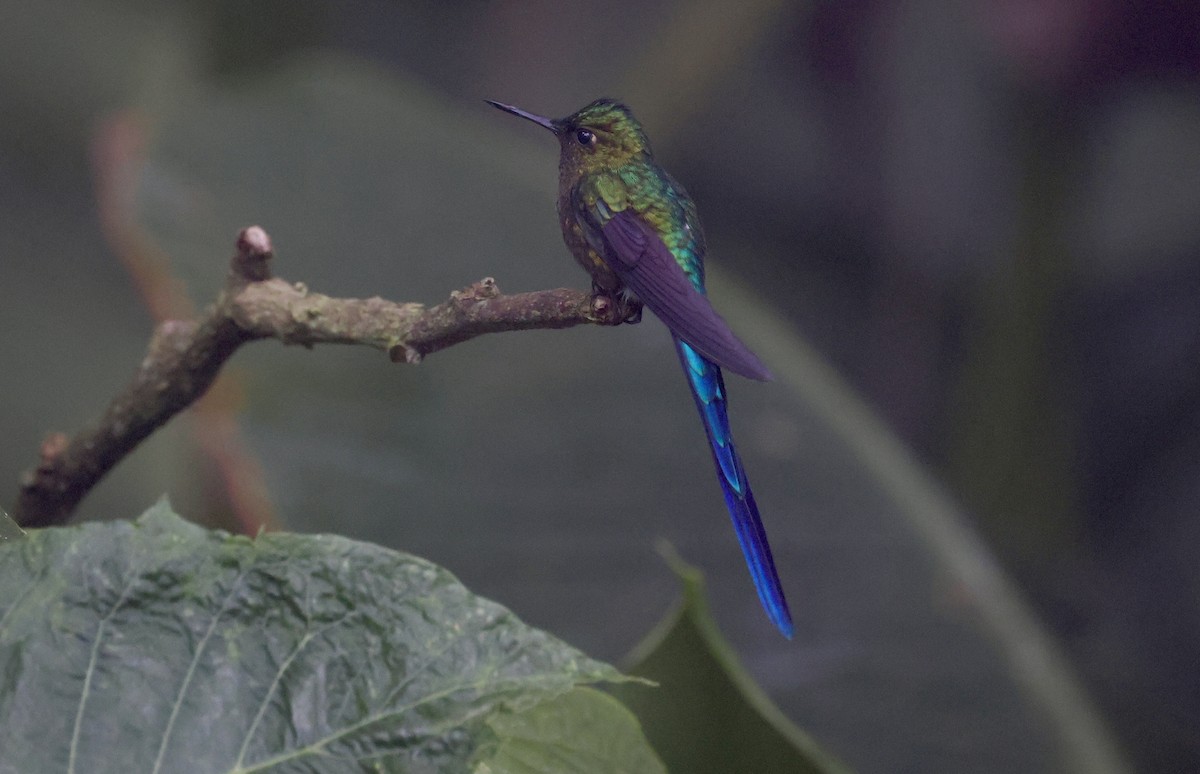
600,136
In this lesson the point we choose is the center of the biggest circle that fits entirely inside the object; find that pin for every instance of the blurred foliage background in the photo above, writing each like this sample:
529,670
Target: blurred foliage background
985,215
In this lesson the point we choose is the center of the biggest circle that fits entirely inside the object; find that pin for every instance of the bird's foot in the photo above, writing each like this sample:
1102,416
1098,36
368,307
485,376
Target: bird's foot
615,308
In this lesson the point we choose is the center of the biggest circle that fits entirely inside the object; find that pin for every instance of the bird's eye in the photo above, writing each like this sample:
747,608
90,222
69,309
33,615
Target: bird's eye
584,137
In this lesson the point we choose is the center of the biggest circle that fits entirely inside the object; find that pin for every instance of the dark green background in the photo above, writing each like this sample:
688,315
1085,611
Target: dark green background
984,215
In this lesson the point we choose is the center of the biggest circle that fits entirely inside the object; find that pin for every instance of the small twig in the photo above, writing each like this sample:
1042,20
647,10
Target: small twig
185,356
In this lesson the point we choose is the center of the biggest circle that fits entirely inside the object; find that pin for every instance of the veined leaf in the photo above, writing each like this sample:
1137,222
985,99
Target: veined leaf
158,646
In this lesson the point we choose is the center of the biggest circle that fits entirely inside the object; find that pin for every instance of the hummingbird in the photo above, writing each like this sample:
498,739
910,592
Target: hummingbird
635,230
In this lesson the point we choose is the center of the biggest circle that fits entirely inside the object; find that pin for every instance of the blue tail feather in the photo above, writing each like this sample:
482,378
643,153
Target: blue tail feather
708,390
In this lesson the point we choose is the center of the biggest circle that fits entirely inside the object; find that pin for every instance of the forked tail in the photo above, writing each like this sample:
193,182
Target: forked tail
708,388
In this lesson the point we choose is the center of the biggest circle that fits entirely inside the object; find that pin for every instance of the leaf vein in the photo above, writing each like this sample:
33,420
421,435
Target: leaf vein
91,669
287,662
191,671
317,747
19,598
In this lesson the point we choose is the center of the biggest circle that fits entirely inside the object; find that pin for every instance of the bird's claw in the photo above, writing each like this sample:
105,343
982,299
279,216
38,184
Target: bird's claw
615,309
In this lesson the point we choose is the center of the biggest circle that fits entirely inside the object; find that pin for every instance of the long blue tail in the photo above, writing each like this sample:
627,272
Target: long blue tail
708,388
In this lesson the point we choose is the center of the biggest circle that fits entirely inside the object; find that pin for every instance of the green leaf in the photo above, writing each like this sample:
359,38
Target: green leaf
158,646
583,731
708,714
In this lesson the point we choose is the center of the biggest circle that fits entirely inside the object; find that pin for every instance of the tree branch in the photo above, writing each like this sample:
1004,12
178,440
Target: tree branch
185,356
